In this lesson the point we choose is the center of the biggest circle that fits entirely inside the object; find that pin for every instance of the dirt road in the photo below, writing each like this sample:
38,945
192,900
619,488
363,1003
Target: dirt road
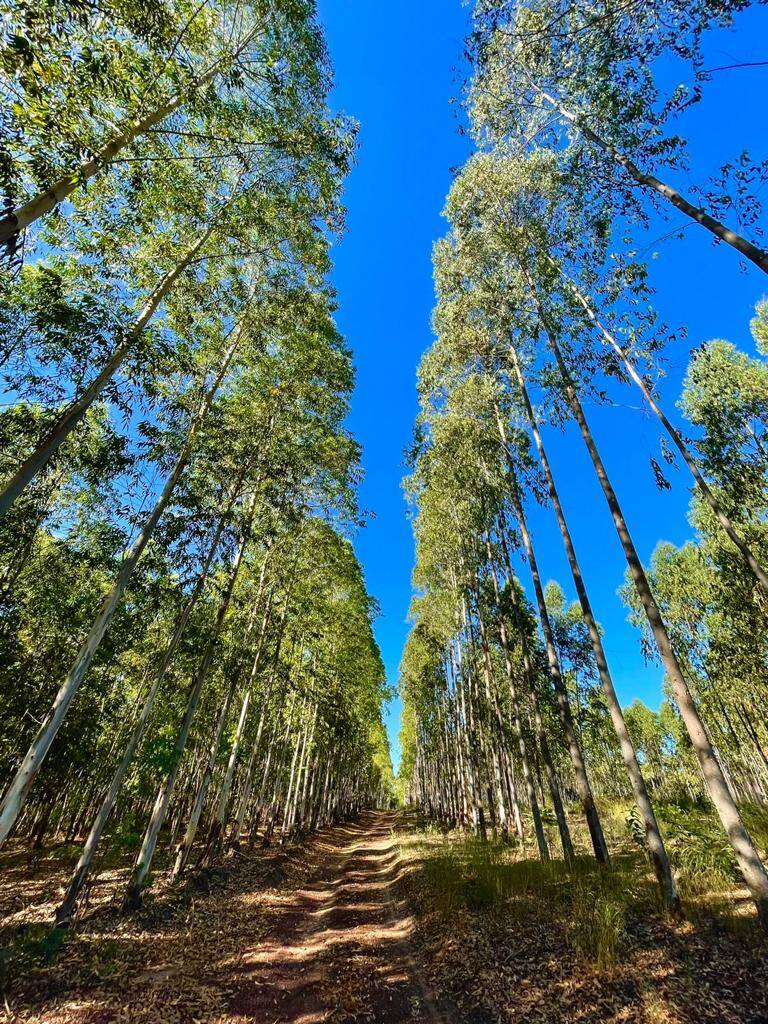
339,945
334,946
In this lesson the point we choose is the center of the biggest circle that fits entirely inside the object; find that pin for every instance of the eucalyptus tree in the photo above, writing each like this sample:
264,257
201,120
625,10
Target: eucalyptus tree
714,614
518,215
260,217
176,436
462,432
82,868
246,341
249,221
296,399
275,412
119,83
580,81
220,357
476,320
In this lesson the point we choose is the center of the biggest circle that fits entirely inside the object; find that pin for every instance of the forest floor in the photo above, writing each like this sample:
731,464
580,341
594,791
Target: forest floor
380,920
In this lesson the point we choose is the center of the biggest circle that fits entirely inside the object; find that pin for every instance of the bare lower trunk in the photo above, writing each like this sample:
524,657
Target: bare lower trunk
67,907
185,847
245,796
160,809
216,832
564,709
530,789
16,794
658,853
541,732
746,855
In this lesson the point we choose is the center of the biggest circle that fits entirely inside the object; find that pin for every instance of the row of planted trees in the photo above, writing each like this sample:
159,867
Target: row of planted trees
540,311
186,640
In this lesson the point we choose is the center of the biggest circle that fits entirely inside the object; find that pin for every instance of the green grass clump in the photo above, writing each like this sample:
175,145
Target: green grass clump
35,945
599,902
698,848
756,819
590,903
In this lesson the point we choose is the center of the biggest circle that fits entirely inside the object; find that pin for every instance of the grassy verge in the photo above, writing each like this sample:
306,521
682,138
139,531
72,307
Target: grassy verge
589,905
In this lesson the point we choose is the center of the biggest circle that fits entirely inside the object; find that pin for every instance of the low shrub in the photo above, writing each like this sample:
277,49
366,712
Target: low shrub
698,848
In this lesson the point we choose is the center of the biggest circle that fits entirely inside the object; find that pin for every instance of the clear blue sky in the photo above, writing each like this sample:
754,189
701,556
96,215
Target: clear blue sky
398,68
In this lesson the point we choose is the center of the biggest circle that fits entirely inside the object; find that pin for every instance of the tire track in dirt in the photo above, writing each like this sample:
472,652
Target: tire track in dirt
307,934
339,947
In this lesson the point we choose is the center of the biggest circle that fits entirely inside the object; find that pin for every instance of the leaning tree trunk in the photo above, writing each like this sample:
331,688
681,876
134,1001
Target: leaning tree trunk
491,752
16,794
564,709
13,223
215,839
247,790
67,907
752,252
746,855
75,412
541,839
659,858
185,847
541,732
160,808
709,496
221,803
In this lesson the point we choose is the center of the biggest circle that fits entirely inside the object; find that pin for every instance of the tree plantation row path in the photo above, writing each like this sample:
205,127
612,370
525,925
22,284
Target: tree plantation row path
302,936
340,944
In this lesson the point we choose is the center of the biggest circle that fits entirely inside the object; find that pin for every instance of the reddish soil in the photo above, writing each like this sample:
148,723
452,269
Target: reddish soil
311,935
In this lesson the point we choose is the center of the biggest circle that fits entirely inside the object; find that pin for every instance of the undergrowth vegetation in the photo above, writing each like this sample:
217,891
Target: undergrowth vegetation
592,906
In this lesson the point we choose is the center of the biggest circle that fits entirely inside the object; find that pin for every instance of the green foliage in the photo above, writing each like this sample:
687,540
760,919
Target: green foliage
175,378
35,945
699,850
715,614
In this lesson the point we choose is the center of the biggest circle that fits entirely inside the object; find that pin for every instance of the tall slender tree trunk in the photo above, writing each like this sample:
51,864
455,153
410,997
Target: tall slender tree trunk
530,789
746,855
13,223
709,496
185,847
478,818
541,732
17,792
752,252
247,790
66,908
75,412
298,753
493,760
294,816
160,808
561,696
658,853
263,789
221,807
